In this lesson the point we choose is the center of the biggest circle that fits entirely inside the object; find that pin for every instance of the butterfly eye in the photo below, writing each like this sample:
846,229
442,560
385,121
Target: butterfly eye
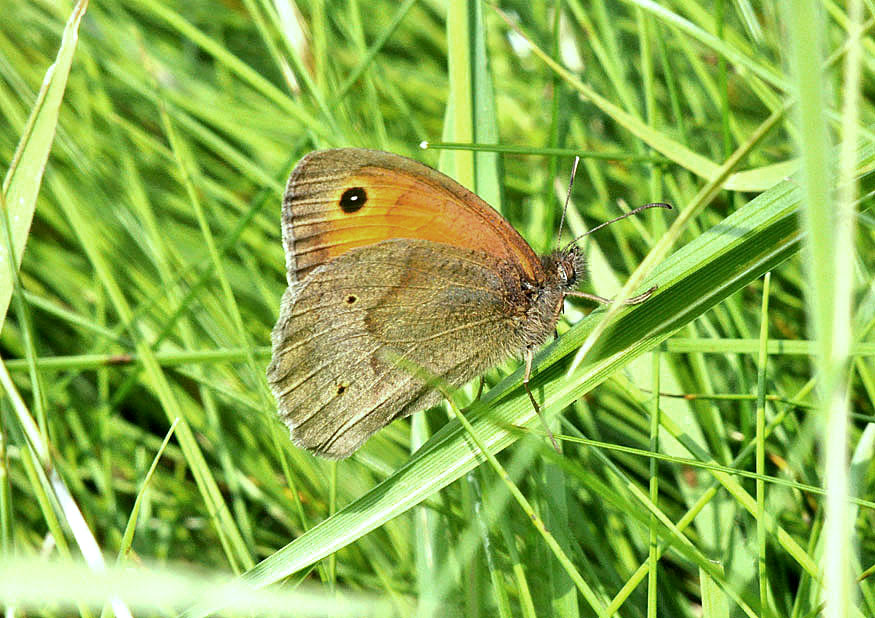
353,199
564,275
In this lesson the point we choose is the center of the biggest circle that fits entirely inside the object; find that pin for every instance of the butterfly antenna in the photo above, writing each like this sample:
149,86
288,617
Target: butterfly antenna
623,216
567,199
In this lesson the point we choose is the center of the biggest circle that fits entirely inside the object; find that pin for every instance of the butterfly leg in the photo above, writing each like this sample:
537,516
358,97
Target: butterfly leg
607,301
528,356
480,389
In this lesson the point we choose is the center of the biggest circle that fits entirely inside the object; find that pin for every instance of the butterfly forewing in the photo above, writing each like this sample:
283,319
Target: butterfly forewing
337,200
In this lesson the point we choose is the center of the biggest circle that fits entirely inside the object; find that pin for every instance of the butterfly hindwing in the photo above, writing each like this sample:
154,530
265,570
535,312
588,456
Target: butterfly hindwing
359,340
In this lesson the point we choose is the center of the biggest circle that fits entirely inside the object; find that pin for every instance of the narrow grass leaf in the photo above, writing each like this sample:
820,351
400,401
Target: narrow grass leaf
24,176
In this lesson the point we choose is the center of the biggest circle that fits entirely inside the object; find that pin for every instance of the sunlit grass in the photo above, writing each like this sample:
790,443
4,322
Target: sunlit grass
152,272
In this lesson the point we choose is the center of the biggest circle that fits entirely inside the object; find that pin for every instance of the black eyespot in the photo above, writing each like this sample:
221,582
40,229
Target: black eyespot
341,388
353,199
351,299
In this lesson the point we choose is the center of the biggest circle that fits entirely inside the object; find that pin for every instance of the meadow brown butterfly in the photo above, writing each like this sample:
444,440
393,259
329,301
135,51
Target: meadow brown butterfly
392,265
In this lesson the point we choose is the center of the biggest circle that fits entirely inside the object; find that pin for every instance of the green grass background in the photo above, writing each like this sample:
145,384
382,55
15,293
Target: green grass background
139,449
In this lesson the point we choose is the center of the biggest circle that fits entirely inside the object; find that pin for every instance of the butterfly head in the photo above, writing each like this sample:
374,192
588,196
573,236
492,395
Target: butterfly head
566,267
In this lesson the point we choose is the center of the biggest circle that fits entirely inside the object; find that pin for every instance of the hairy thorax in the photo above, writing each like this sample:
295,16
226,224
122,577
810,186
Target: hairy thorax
541,302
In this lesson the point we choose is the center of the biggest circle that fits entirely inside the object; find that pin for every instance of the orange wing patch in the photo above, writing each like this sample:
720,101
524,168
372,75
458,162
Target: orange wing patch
341,199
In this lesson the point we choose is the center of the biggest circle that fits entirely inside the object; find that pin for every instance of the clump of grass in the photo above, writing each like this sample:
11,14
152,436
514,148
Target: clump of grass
151,274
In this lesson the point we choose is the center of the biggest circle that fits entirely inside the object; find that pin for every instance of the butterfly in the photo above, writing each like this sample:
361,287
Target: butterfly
395,273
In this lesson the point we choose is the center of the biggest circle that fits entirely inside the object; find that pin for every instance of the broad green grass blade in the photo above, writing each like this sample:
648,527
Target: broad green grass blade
830,221
24,176
151,591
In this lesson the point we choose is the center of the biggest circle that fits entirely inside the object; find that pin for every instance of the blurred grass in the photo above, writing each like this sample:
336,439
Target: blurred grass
152,273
